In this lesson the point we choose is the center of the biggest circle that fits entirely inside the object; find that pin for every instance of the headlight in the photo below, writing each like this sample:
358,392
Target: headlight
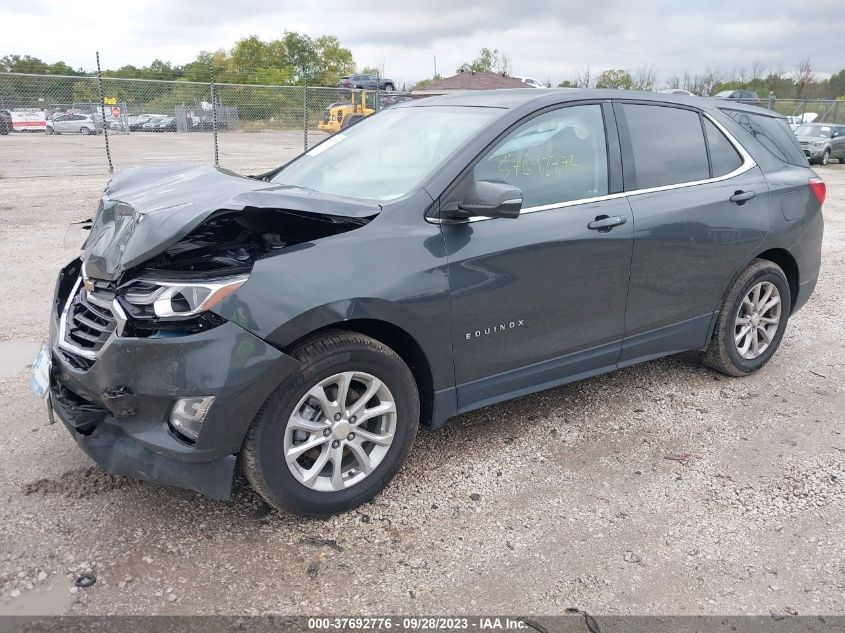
165,299
816,143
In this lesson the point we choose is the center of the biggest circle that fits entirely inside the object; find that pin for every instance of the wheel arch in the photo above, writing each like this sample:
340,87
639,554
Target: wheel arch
401,342
789,266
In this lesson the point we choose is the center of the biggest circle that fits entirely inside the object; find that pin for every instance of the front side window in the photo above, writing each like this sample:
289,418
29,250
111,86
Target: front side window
555,157
667,145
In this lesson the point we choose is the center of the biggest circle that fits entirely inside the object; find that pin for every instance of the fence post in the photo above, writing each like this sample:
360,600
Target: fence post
836,111
103,114
305,115
214,113
771,100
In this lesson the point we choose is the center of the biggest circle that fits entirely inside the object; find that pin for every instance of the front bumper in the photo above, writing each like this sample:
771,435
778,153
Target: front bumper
118,409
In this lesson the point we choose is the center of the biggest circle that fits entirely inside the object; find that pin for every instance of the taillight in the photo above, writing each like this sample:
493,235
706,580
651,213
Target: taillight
819,189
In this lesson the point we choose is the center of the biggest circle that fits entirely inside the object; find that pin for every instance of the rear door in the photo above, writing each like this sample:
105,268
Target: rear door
541,298
700,209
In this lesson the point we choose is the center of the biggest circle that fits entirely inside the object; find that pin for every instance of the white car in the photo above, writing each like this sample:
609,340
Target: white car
532,83
677,91
73,123
797,121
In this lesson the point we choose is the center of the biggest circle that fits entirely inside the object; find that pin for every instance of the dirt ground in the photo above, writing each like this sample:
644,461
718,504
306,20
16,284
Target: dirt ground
660,489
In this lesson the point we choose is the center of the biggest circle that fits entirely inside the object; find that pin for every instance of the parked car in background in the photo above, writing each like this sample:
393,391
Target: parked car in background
821,142
166,124
152,123
677,91
742,96
531,83
367,82
205,124
797,121
5,122
438,257
73,124
136,121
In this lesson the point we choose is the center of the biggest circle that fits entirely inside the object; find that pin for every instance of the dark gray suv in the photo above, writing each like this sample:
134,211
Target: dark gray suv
440,256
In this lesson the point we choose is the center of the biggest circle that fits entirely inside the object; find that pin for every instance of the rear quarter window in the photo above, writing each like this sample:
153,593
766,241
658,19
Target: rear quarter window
723,155
773,133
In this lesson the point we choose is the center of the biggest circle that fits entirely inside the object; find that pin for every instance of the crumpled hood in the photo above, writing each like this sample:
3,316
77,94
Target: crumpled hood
146,210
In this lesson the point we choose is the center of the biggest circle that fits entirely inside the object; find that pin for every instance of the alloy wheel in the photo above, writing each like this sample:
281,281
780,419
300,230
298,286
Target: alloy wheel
757,320
340,431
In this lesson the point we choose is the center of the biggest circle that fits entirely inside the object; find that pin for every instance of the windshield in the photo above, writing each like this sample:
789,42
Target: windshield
725,93
388,154
822,131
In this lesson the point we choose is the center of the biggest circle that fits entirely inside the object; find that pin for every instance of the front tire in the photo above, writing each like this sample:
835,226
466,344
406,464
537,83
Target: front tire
825,159
752,320
333,435
85,131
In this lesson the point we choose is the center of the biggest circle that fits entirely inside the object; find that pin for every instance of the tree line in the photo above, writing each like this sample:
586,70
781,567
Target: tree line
798,83
293,59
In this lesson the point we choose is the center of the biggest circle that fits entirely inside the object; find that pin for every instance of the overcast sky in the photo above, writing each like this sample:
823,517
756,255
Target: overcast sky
544,39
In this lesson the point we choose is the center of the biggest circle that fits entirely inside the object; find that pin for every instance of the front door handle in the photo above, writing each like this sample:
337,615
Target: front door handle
741,197
603,223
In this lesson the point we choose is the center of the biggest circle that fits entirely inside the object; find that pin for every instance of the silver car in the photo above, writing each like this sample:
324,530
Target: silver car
73,123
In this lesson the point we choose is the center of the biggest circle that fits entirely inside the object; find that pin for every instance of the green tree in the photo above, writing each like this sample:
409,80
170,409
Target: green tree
615,79
333,60
487,61
836,85
301,56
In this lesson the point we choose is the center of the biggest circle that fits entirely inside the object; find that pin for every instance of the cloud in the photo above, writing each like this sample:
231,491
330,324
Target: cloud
544,39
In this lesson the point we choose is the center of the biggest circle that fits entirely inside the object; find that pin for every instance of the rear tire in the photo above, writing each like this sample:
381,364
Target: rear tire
747,332
306,483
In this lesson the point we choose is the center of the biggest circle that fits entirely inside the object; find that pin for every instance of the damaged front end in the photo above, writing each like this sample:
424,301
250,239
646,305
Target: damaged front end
149,380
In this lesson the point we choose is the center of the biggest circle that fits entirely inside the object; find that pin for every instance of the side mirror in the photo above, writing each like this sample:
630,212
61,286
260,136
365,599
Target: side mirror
488,199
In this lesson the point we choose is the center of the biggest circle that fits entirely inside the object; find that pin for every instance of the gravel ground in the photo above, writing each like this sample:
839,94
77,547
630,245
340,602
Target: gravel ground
661,489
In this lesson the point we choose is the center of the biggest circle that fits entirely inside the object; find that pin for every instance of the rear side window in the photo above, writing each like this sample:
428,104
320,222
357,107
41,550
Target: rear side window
773,133
667,144
723,156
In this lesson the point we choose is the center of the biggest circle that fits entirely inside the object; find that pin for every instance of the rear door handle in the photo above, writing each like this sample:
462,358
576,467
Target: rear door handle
603,223
741,197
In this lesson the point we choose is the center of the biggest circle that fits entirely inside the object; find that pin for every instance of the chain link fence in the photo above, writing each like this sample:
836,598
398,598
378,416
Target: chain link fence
258,127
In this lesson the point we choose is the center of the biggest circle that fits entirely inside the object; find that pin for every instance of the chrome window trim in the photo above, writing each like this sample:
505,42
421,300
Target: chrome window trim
748,163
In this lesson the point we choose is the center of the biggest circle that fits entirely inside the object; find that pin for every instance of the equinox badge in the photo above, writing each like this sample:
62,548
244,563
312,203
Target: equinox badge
495,329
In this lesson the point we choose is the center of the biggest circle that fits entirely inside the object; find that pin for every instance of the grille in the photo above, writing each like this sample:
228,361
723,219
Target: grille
90,321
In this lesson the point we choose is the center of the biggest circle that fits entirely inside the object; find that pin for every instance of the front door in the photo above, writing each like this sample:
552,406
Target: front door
541,298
